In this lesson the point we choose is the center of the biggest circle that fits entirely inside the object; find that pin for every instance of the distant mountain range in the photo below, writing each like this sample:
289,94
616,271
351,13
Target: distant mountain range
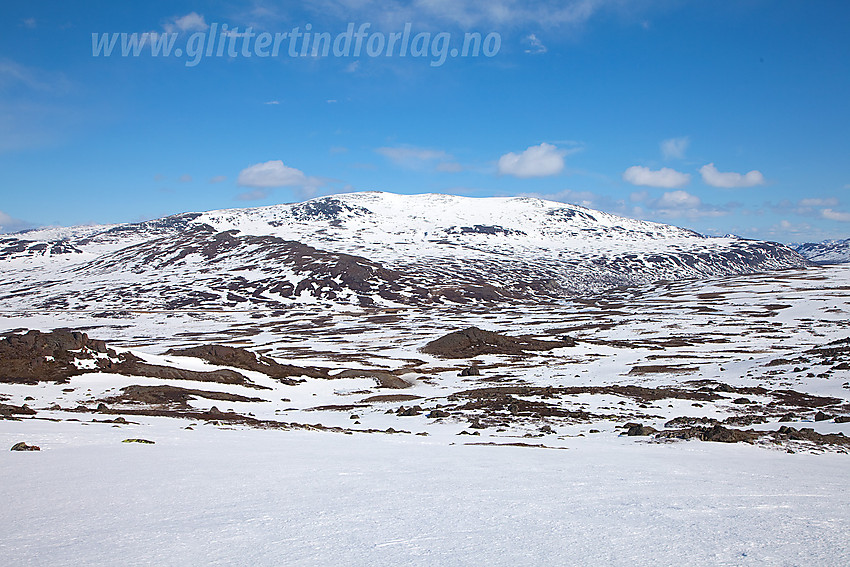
826,252
363,249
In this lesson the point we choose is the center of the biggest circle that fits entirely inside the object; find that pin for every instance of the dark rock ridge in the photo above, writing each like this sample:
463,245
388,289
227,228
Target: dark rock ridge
12,247
35,357
241,358
45,357
167,395
472,342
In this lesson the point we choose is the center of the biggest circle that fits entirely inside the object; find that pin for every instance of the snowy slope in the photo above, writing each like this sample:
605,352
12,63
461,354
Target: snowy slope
365,248
826,252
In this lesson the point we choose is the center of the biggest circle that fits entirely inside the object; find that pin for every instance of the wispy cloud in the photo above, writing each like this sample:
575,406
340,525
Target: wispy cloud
218,179
502,14
681,204
665,177
190,22
185,178
533,45
449,167
255,195
412,157
675,148
730,180
840,216
13,74
543,160
11,224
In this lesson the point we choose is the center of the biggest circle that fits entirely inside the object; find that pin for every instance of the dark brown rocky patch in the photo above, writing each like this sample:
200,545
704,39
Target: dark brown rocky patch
241,358
472,342
166,395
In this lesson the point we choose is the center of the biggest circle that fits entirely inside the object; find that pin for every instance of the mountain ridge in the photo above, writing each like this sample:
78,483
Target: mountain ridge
367,249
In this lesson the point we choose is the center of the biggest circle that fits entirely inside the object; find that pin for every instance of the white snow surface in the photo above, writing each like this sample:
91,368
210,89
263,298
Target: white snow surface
300,498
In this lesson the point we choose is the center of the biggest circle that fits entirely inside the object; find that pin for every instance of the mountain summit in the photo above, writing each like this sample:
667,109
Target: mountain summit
364,249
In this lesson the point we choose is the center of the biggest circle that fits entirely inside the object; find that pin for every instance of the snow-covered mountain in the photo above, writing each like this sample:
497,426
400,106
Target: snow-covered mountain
826,252
363,248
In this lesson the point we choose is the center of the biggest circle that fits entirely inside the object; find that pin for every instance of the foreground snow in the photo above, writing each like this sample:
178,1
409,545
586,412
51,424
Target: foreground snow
248,497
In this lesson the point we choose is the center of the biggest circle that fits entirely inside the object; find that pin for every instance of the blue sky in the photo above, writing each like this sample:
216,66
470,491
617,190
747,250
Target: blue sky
725,117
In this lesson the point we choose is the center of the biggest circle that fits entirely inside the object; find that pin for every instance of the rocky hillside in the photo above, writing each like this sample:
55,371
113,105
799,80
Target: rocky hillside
826,252
363,249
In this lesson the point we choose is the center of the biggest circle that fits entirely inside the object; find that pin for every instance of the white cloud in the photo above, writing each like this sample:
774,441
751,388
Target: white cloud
190,22
681,204
272,102
218,179
536,161
534,45
29,23
677,200
11,224
274,174
665,177
675,148
730,180
829,214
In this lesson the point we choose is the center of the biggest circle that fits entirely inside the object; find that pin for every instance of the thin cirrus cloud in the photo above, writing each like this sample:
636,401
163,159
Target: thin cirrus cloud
469,13
255,195
665,177
730,180
412,157
675,148
274,173
543,160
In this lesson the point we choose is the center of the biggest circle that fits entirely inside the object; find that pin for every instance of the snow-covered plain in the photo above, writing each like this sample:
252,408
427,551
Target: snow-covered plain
210,492
250,497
